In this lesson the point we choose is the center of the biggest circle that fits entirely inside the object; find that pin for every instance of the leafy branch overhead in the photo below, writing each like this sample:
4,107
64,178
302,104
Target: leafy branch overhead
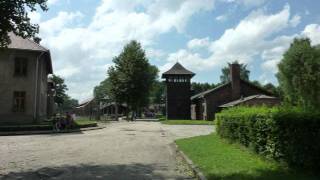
14,18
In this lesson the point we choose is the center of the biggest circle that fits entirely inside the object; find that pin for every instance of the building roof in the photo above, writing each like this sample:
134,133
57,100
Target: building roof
202,94
242,100
18,42
178,69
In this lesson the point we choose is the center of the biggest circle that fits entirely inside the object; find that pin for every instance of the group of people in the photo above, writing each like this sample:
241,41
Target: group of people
64,122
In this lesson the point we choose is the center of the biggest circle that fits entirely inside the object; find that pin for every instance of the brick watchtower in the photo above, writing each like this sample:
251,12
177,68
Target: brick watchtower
178,92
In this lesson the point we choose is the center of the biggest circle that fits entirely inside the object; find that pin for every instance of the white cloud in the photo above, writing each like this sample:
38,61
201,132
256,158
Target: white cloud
198,43
252,38
295,20
35,17
247,3
59,22
221,18
313,32
82,53
52,2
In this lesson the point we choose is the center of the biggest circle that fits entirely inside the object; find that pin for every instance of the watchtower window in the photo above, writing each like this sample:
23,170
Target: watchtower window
20,66
19,100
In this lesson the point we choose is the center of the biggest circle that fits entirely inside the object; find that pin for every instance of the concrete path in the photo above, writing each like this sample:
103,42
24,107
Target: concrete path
122,150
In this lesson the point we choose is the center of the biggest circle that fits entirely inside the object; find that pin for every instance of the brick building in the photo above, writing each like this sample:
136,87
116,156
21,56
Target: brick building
206,104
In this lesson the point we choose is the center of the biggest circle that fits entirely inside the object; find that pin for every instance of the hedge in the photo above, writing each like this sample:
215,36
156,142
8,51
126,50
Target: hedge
289,135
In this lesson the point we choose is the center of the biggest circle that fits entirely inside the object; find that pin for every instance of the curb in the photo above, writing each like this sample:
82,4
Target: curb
47,132
199,175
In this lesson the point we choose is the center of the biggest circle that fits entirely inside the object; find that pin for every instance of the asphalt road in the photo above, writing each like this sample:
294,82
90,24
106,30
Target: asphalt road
122,150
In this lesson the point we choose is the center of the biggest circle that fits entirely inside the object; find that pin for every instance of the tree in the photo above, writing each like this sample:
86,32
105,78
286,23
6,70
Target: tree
157,93
68,103
64,101
200,87
132,77
14,18
102,91
60,88
273,89
299,74
244,73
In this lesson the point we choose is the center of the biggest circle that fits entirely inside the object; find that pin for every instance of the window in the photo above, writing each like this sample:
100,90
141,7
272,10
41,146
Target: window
19,100
20,67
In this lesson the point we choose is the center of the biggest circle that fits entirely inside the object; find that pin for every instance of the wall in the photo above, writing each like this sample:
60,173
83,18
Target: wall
178,100
9,83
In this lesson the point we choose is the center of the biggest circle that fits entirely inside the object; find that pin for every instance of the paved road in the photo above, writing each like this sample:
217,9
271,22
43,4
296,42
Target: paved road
123,150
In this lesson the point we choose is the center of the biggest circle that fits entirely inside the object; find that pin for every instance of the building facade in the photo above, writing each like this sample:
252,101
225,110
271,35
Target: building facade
178,92
24,70
206,104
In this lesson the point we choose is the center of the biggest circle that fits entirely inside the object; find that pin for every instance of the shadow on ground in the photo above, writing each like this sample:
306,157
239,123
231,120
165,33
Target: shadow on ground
82,172
264,175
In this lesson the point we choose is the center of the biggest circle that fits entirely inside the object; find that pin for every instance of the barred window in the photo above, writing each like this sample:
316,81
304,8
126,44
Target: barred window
19,101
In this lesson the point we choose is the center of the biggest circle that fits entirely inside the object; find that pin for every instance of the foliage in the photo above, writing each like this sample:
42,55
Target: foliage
284,134
244,73
132,77
218,159
102,91
157,93
64,101
187,122
201,87
68,103
14,18
299,74
273,89
60,88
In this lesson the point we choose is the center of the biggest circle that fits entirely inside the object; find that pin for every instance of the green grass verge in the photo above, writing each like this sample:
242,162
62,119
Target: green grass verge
187,122
218,159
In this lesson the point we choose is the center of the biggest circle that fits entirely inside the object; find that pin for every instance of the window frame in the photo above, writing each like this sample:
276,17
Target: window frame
19,101
20,67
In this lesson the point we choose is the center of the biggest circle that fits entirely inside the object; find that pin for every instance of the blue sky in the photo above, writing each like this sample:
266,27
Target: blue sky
204,35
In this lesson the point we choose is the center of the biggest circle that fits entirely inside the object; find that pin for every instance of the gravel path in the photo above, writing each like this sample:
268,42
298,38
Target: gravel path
123,150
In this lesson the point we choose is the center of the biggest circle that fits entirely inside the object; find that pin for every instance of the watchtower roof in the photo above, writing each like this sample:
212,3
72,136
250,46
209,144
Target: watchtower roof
178,69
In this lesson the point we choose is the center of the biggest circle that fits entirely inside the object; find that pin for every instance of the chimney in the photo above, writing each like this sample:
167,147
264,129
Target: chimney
235,80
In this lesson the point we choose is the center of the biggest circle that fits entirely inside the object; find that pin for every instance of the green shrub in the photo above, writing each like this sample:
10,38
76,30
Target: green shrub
289,135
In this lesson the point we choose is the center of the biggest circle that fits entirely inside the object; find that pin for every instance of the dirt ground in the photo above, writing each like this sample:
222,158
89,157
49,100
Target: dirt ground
122,150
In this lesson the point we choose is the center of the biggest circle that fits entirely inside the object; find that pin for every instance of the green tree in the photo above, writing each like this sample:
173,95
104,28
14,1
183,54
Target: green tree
157,93
273,89
14,18
132,77
64,101
299,74
102,91
244,73
60,88
68,104
200,87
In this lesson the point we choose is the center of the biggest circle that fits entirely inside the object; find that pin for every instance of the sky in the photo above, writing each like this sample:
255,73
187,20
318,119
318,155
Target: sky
203,35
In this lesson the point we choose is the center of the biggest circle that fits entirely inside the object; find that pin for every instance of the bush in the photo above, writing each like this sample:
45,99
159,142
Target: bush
289,135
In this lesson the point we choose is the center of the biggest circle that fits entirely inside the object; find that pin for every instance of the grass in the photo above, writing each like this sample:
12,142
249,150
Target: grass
187,122
218,159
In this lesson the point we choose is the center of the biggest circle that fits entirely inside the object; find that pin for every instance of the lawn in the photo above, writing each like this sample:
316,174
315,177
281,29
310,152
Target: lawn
218,159
187,122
